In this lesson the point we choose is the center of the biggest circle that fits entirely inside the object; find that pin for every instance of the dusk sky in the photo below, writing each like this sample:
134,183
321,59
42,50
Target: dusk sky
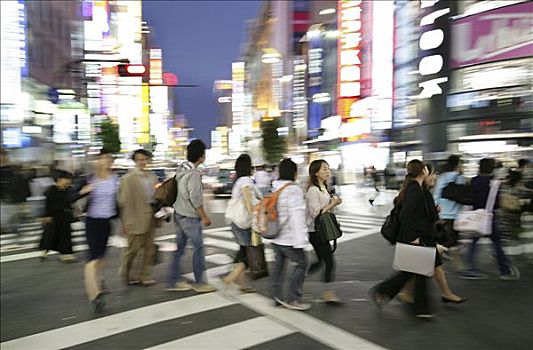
199,39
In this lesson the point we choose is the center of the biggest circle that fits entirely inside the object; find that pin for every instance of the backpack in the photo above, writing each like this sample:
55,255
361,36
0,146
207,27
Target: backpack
265,220
390,230
167,192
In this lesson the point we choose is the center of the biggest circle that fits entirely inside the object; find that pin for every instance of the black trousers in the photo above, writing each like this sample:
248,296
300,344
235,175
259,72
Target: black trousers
392,286
324,253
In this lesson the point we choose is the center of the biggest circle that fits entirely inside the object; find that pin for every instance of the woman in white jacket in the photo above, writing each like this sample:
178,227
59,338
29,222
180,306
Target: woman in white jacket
290,243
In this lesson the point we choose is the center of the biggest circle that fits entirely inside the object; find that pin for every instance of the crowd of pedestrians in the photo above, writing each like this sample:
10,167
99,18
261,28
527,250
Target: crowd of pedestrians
427,216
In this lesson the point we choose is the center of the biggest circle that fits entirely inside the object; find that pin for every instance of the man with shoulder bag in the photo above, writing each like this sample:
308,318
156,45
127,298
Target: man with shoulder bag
485,190
190,215
450,194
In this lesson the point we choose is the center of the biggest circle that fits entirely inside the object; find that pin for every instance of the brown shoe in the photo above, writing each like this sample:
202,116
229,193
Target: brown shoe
148,283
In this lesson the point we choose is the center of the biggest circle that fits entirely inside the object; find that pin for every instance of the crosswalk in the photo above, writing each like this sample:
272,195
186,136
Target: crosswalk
24,245
209,321
220,320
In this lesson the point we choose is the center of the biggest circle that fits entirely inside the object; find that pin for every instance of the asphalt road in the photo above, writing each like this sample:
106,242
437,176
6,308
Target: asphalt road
43,305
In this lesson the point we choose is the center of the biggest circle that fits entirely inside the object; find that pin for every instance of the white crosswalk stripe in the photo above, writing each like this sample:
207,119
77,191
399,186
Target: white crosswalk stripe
263,323
21,246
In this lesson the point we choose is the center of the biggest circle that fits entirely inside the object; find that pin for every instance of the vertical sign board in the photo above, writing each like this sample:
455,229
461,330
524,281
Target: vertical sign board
405,62
315,66
349,56
237,96
23,38
143,126
299,95
300,21
433,70
9,52
156,67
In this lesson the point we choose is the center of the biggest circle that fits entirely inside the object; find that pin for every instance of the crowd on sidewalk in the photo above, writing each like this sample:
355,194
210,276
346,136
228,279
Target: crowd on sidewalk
429,211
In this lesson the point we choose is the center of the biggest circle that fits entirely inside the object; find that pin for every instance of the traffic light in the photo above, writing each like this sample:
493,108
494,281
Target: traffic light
131,70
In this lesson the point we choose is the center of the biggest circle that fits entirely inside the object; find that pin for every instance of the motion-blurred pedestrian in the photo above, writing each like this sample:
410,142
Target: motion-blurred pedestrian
449,209
58,217
190,215
417,227
290,244
481,185
319,201
244,195
102,206
263,180
447,296
136,196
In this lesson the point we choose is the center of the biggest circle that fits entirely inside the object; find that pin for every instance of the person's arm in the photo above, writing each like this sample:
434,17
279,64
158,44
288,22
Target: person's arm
196,196
297,217
122,200
313,202
247,198
82,189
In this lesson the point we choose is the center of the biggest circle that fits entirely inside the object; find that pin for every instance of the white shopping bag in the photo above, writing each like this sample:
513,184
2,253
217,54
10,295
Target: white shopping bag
414,258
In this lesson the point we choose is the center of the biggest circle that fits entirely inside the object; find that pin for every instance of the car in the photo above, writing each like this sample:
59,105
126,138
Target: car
224,183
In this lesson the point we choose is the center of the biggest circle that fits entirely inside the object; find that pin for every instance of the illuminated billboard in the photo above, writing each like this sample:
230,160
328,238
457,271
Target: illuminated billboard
156,67
349,55
237,97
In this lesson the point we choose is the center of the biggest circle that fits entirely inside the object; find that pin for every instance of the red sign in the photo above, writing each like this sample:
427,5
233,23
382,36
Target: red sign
349,55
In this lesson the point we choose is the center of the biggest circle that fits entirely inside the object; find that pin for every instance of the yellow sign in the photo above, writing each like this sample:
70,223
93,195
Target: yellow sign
144,121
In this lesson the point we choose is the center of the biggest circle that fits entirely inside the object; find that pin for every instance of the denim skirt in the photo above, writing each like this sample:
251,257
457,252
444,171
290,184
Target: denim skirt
242,236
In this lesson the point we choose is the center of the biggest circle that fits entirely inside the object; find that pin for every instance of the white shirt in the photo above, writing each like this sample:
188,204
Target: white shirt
242,182
291,212
263,179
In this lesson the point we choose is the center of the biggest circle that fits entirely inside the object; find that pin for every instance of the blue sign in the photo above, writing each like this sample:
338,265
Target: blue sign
23,38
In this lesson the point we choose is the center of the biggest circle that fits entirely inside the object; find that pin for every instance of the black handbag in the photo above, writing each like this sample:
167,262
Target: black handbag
257,264
390,230
255,254
328,228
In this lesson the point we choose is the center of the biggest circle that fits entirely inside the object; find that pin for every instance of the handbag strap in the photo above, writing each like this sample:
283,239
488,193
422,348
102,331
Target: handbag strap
491,200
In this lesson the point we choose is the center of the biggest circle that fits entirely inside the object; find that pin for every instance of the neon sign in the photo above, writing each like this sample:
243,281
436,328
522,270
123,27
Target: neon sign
349,61
430,40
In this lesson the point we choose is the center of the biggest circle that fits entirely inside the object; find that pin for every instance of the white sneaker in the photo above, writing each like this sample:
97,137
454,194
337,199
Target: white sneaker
513,275
203,288
296,305
180,287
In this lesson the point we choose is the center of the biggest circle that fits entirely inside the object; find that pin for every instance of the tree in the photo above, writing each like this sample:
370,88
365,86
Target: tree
109,136
274,145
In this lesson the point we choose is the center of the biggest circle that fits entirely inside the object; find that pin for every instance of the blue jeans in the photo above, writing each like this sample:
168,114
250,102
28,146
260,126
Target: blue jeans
188,228
495,237
298,275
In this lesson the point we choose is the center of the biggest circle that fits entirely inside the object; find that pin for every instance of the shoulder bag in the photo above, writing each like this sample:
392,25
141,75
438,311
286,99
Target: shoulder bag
478,222
328,228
